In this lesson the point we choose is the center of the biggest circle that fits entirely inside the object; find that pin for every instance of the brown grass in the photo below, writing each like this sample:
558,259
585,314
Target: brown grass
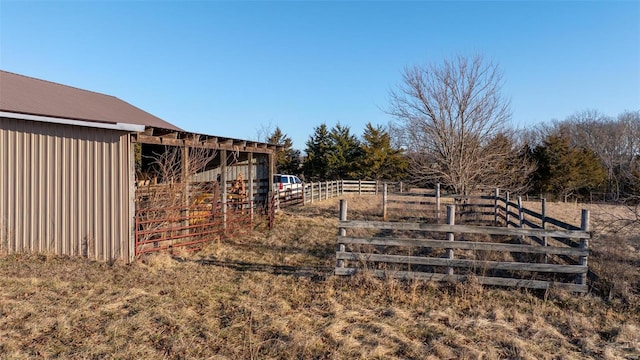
272,296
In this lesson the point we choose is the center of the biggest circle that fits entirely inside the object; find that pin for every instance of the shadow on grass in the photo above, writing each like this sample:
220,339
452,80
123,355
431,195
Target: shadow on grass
315,273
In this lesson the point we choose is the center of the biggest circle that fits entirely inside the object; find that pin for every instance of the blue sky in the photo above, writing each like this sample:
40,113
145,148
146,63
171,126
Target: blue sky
236,69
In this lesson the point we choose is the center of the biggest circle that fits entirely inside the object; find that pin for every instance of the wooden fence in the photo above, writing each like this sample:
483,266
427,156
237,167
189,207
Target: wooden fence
318,191
521,248
324,190
371,187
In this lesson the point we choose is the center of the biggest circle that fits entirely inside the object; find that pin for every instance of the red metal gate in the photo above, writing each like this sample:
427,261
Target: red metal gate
190,227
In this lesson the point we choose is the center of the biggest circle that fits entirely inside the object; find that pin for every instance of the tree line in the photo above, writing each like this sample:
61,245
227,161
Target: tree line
336,153
587,152
452,126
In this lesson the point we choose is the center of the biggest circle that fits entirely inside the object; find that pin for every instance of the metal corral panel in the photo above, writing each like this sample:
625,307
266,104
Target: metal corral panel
64,190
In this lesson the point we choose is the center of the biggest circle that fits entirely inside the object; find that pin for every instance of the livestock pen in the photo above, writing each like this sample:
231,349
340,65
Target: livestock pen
494,240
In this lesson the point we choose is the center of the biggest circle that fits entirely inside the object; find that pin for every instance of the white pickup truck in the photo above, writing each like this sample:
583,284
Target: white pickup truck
288,186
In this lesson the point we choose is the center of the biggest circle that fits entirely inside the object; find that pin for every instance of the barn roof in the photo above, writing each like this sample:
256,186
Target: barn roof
26,95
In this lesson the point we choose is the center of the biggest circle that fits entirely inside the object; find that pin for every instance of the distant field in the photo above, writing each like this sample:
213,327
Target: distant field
273,296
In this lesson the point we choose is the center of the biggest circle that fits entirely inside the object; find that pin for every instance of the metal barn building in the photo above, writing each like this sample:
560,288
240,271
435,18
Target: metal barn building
72,162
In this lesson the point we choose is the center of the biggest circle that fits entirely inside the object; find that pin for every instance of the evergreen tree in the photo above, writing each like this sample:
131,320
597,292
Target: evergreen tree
316,164
345,155
287,159
379,159
564,169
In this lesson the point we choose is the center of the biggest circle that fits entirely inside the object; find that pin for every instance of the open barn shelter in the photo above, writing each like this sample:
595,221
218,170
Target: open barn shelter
87,174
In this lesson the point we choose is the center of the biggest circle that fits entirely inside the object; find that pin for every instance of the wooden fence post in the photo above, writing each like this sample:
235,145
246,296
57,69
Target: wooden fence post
495,206
520,213
384,202
312,192
438,202
506,208
451,220
359,187
520,216
584,245
342,231
377,184
326,193
543,213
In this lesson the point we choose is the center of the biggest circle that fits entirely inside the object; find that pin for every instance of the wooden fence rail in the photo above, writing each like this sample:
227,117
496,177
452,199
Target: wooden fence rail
324,190
410,249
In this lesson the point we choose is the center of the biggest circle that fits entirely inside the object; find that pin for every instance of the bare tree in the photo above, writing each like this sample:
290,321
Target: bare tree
172,189
616,141
454,122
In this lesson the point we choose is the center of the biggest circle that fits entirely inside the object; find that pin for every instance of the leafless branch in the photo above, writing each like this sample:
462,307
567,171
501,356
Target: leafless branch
454,124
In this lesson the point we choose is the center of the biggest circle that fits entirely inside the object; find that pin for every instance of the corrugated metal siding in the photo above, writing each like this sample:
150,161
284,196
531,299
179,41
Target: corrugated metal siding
65,190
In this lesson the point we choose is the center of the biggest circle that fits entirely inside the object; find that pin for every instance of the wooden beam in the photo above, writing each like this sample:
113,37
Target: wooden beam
211,140
192,138
171,135
172,142
211,143
146,139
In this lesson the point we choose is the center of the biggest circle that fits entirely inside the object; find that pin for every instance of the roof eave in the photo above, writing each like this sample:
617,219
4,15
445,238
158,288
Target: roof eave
49,119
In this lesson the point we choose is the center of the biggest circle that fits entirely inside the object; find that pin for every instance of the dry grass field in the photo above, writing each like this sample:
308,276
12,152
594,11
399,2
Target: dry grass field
272,295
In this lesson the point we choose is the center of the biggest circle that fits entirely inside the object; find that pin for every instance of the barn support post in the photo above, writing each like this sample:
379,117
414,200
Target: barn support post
250,175
272,192
185,189
451,220
496,194
384,202
584,245
223,186
342,231
438,202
